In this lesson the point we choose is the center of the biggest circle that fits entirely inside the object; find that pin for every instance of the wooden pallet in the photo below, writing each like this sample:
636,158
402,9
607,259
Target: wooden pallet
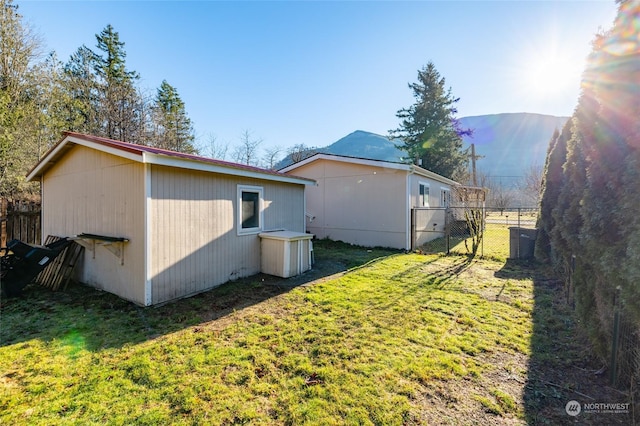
59,272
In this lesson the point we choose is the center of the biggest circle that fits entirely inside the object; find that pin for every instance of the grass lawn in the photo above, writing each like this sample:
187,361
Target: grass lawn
395,339
495,244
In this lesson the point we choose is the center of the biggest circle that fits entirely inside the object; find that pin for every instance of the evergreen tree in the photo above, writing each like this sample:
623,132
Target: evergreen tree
551,186
92,93
172,127
429,131
120,104
566,213
596,214
81,83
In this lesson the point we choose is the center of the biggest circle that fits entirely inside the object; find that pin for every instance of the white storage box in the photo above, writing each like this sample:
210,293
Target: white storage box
285,253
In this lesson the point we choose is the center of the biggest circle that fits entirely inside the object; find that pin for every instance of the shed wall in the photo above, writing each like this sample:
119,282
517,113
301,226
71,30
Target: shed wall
88,191
358,204
193,222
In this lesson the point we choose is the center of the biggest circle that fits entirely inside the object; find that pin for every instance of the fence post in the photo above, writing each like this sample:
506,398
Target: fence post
413,229
483,225
3,222
447,228
616,333
518,240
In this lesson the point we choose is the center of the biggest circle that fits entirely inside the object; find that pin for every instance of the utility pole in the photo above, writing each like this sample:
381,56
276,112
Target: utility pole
473,165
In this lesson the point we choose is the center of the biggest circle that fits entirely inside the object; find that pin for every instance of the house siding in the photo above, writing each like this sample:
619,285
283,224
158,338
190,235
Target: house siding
429,222
434,190
88,191
194,241
356,203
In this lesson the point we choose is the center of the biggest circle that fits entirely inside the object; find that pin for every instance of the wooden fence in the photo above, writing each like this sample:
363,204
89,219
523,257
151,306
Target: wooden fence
19,220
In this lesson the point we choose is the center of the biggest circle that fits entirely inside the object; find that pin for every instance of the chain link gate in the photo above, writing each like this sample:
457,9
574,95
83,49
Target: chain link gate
479,231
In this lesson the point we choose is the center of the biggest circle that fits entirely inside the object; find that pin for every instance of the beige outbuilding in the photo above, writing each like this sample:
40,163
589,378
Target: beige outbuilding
160,225
370,202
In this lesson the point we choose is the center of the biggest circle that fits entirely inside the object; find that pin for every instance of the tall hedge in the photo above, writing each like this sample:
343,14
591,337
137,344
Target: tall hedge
551,185
590,209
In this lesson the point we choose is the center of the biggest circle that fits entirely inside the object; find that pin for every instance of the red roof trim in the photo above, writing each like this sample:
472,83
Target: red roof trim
141,149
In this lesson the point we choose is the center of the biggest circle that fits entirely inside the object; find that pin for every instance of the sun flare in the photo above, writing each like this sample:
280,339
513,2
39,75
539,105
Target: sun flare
551,73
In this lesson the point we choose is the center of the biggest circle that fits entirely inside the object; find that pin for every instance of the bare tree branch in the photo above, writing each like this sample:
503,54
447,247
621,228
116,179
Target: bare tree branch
247,151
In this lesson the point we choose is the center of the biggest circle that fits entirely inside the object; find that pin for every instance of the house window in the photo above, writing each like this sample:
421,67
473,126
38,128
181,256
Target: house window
250,209
445,197
423,199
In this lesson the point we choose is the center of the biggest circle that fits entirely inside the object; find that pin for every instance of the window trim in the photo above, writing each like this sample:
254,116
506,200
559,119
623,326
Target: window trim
425,201
445,200
256,190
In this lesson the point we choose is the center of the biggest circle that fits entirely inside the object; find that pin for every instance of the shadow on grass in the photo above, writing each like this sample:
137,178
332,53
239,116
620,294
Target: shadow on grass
560,368
440,277
439,245
102,320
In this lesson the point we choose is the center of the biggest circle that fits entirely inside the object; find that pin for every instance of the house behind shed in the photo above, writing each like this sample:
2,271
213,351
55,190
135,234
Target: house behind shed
191,223
369,202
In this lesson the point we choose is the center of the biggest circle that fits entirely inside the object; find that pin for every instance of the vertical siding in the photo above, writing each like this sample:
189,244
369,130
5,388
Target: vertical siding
273,257
358,204
194,238
93,192
284,206
285,258
299,256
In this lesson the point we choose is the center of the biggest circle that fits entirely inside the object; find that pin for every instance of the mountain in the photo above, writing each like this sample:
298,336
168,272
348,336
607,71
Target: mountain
358,144
509,143
366,145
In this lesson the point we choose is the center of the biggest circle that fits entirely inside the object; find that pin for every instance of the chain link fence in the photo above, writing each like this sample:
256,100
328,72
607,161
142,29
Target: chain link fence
624,367
622,330
492,232
503,234
618,324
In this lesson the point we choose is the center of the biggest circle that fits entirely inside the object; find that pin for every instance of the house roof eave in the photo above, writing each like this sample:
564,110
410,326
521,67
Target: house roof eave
346,159
151,155
410,168
431,175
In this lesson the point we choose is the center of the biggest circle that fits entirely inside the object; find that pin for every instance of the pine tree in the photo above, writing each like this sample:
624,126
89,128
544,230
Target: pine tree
173,128
119,101
429,131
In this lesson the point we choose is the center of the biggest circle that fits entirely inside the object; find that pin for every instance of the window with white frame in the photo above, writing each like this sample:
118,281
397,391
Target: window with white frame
445,197
249,209
423,199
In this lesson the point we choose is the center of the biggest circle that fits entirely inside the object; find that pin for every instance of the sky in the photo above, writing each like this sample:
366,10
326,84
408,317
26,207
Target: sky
311,72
